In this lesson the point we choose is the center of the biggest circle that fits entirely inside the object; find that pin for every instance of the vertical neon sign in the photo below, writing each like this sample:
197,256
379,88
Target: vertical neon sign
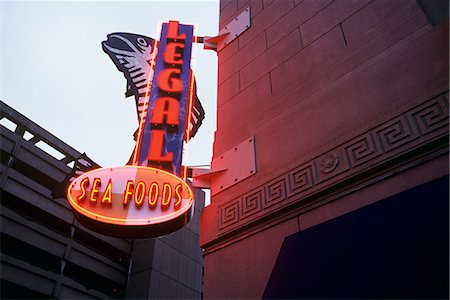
160,142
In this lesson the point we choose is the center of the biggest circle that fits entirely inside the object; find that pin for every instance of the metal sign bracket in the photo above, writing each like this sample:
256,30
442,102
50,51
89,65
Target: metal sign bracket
228,33
227,169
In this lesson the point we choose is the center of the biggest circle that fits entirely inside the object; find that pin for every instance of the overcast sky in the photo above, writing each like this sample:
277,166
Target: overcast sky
54,71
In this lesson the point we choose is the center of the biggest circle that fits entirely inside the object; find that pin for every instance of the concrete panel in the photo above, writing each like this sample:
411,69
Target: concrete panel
380,16
143,252
26,278
263,20
31,236
328,18
400,18
228,88
7,144
184,272
241,108
227,52
224,3
287,47
121,244
40,160
245,55
23,192
140,286
172,290
86,261
267,2
306,64
181,292
163,287
158,253
67,292
153,286
294,18
256,6
227,12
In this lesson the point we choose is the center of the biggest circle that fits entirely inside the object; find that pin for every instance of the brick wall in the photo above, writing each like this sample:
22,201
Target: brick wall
317,82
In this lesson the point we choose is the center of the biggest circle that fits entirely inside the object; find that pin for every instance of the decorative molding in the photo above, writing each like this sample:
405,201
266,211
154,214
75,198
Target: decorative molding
387,142
251,203
329,163
300,179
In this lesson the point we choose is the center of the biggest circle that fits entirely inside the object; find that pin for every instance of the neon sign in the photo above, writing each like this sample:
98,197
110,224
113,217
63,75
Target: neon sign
131,201
148,198
161,136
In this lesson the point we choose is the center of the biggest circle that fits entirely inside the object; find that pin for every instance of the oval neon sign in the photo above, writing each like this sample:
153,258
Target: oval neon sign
131,201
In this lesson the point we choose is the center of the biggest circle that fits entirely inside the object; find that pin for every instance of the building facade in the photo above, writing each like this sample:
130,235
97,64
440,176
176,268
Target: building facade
46,253
347,102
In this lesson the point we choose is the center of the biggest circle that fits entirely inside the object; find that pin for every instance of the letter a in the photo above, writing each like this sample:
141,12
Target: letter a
167,108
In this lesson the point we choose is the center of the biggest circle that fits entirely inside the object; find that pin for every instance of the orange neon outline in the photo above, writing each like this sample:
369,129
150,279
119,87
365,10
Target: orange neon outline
83,189
95,190
136,222
188,120
108,192
145,109
190,102
154,201
139,202
185,169
166,199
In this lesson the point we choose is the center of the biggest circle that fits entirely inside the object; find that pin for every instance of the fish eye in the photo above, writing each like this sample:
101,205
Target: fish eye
141,41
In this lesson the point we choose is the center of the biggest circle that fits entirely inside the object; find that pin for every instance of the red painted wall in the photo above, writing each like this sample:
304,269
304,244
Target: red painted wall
331,90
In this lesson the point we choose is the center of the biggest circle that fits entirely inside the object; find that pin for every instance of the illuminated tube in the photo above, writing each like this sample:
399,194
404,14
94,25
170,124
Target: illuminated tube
131,201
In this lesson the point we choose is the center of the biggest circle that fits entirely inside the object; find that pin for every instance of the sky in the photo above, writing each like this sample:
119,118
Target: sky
54,71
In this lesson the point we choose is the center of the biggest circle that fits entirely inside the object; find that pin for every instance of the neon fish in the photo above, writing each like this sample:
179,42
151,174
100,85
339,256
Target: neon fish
131,53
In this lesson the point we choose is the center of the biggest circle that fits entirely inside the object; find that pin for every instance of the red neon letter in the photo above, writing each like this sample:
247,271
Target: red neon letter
153,193
178,190
128,192
173,55
166,196
156,147
169,80
172,31
107,195
83,184
167,108
139,193
94,191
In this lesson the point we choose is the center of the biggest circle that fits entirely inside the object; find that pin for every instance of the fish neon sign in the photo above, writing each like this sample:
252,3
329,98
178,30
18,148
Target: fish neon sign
148,198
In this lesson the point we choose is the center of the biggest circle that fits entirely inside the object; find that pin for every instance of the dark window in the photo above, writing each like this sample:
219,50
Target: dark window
92,280
33,255
34,174
11,290
34,213
102,248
